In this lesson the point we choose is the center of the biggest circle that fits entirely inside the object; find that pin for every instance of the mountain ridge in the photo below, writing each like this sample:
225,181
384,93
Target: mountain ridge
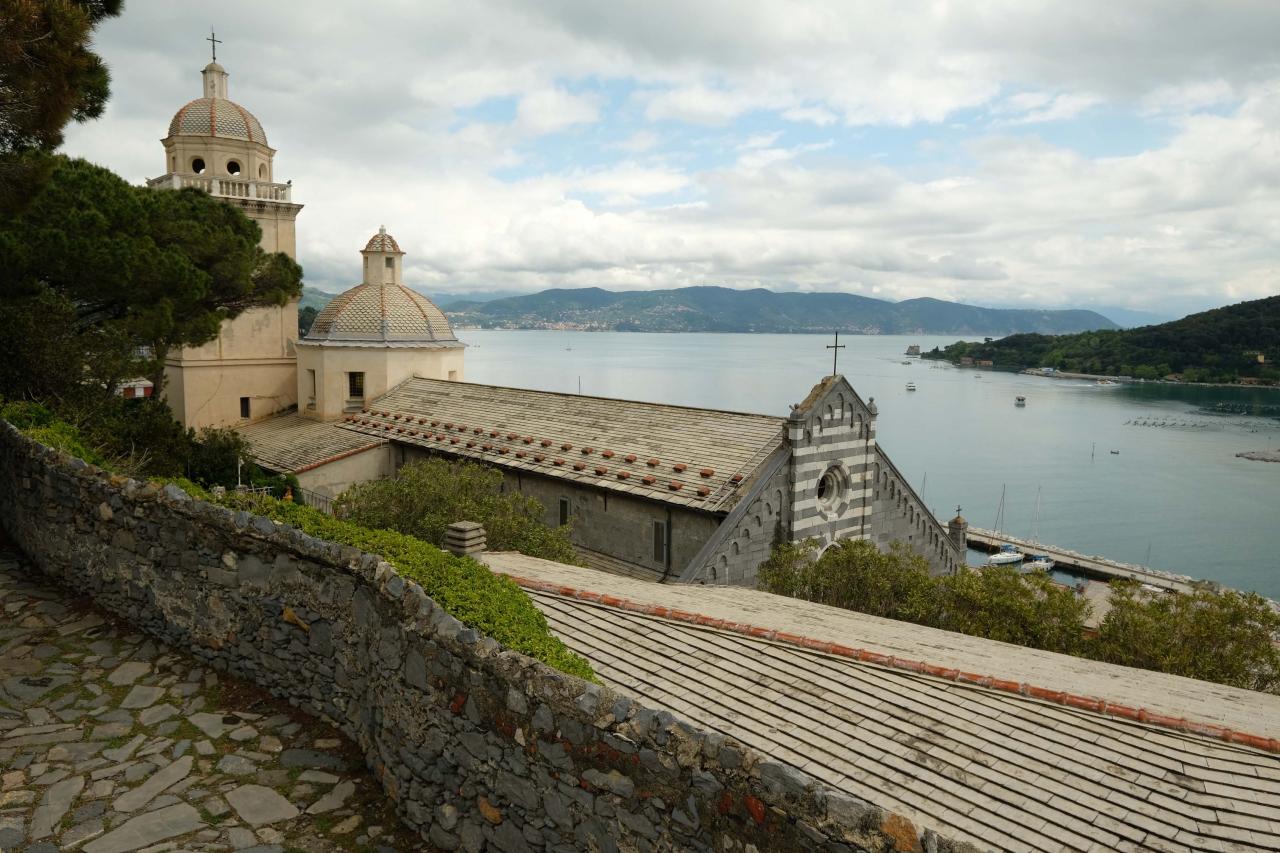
722,309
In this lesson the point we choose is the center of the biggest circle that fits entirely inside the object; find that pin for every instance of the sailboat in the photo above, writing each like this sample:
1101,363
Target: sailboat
1007,555
1037,562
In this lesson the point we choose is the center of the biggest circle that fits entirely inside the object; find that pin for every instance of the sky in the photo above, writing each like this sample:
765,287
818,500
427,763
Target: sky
1014,153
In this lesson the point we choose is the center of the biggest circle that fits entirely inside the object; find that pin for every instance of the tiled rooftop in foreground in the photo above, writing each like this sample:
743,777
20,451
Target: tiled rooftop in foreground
990,766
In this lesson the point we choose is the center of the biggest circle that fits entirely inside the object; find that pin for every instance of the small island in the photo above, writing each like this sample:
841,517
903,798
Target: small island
1238,344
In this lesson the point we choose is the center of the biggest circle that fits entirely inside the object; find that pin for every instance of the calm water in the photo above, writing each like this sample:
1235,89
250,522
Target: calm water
1175,493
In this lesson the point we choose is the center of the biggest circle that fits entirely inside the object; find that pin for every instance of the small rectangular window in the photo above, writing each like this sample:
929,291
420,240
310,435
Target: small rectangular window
244,407
391,263
564,511
355,385
311,375
659,542
453,375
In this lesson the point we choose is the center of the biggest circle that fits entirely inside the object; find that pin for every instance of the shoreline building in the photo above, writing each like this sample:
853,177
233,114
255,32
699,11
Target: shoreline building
248,372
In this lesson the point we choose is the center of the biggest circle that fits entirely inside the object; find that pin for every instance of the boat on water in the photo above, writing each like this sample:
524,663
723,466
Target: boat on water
1106,382
1019,400
1006,556
911,386
907,363
1038,562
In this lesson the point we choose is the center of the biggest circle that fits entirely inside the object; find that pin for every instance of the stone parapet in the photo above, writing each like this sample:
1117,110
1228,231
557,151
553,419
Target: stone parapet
480,747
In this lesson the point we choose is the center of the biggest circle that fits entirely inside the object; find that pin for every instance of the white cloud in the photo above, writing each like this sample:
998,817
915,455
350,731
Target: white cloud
698,105
1039,107
638,142
379,123
820,116
550,110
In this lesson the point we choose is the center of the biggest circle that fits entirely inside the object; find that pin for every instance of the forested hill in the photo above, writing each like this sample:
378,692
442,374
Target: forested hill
721,309
1222,345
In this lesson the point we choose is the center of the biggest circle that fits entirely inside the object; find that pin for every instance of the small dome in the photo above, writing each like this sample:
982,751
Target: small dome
382,242
217,117
381,313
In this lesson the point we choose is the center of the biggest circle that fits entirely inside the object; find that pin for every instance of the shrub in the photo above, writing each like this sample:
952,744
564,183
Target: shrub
41,424
429,495
1001,603
998,603
1227,637
468,590
852,574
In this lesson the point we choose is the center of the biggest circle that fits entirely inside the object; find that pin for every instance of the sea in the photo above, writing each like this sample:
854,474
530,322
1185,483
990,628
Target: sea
1140,473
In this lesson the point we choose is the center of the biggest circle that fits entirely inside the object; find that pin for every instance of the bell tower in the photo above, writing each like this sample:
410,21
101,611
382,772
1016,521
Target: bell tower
249,371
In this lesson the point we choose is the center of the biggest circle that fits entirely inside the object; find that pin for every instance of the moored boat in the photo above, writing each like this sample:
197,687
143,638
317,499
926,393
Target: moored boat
1019,400
1038,562
1007,555
911,386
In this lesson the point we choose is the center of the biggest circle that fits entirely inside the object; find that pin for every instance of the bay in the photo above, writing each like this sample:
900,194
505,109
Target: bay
1173,497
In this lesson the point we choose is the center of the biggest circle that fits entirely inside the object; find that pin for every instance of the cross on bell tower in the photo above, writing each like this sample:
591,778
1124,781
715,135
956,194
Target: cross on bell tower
214,41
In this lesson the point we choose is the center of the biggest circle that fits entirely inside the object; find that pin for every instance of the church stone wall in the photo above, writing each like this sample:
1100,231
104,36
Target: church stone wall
898,515
479,747
611,523
749,536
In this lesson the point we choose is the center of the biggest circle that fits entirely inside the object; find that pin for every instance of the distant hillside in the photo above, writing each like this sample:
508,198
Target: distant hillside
1222,345
314,298
721,309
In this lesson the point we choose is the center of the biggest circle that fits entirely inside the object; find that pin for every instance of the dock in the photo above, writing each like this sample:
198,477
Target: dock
1097,568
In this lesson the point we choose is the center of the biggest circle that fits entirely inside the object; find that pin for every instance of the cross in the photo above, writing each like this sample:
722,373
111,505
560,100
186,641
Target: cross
214,41
835,352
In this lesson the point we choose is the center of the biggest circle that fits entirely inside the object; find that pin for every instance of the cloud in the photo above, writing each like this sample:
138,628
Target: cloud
713,141
551,110
1038,107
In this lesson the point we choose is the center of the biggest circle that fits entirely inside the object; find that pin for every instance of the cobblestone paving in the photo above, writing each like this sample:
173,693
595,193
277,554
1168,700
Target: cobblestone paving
111,742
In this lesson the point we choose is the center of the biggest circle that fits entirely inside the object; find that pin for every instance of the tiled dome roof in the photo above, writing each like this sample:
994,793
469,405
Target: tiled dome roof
217,117
389,313
382,242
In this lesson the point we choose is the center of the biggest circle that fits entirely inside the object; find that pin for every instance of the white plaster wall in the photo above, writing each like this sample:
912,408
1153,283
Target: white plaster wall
334,478
383,368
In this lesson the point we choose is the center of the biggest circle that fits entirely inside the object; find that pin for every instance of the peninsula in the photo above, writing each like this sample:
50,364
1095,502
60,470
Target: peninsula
1234,344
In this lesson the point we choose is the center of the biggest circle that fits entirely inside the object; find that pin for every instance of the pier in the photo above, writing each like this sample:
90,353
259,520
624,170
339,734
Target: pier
1098,568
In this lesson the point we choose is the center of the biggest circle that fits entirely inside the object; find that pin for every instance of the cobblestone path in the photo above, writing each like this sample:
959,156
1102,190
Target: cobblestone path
111,742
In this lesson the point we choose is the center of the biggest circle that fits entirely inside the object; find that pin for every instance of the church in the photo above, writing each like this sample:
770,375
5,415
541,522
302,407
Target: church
653,491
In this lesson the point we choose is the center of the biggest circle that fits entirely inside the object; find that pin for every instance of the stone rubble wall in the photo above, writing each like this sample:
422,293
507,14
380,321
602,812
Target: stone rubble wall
479,746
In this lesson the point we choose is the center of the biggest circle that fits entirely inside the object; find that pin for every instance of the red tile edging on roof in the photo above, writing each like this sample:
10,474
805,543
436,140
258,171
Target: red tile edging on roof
1071,700
338,456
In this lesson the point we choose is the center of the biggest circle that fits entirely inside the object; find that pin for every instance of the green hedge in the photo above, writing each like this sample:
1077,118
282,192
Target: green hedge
491,603
41,424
